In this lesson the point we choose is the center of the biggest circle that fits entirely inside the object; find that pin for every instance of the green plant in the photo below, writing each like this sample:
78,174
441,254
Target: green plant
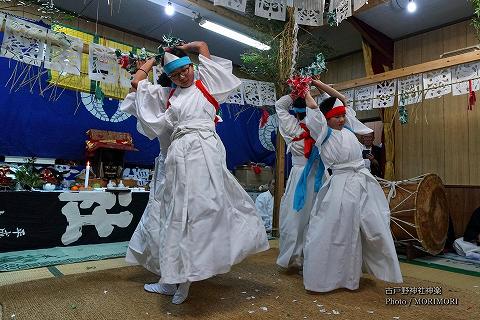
476,16
264,65
27,176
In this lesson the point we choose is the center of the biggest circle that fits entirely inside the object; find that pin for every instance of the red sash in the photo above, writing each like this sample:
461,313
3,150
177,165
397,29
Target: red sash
308,142
206,94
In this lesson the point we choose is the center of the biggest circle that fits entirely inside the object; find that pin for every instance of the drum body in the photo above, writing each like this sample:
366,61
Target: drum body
419,211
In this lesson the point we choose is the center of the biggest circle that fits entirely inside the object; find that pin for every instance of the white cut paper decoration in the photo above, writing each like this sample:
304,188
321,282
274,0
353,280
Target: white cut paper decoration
317,5
267,93
364,97
350,96
103,65
344,10
23,41
271,9
308,17
238,5
251,93
63,53
410,90
461,74
237,96
437,83
384,95
357,4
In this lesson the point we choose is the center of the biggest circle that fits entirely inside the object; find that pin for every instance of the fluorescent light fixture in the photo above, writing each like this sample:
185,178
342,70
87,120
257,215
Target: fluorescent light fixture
412,6
232,34
169,9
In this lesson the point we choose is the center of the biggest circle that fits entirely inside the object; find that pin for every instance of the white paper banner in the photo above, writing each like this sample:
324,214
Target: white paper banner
23,41
462,74
238,5
267,93
237,96
410,90
103,65
271,9
384,95
63,53
251,94
437,83
364,98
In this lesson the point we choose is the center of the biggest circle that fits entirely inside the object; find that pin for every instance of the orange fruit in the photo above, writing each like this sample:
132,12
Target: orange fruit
74,188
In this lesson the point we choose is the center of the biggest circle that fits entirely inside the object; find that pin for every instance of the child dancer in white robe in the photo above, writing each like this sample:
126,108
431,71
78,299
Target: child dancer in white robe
293,223
210,222
349,223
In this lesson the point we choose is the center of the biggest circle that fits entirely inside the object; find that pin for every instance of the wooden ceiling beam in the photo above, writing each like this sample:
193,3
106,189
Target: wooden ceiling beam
411,70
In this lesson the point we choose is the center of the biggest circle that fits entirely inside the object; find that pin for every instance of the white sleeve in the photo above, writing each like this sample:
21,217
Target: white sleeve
150,106
216,74
353,123
288,124
317,124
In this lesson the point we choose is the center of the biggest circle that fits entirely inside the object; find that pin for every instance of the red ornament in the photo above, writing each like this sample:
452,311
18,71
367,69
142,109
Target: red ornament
299,85
256,169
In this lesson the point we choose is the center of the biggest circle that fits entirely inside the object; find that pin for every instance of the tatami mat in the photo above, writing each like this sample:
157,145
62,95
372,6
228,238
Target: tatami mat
24,275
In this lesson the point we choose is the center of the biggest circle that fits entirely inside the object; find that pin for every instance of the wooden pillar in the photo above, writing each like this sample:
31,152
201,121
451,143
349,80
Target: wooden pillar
279,183
285,59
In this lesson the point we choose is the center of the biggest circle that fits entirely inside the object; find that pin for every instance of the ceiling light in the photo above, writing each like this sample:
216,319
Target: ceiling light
232,34
412,6
169,9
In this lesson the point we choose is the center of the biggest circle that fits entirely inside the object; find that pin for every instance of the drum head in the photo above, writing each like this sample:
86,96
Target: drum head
431,216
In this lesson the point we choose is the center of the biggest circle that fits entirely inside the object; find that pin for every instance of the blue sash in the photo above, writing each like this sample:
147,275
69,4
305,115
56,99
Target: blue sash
301,188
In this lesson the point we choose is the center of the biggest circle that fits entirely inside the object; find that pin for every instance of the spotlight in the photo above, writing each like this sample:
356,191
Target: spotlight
169,9
412,6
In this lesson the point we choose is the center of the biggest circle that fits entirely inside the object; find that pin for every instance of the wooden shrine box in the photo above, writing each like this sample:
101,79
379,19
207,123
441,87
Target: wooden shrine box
106,152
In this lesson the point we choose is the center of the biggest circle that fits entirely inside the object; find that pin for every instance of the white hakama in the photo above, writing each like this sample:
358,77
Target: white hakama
349,223
207,221
293,224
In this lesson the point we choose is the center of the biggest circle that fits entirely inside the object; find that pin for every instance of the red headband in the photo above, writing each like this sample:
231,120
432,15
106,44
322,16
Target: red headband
337,111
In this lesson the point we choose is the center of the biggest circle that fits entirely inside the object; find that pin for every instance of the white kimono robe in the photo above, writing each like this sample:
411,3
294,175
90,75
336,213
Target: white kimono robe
264,205
143,247
208,222
349,223
293,224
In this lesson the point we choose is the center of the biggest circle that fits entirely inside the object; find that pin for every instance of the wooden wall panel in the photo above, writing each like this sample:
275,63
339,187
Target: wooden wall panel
455,116
398,130
473,124
432,121
411,139
442,136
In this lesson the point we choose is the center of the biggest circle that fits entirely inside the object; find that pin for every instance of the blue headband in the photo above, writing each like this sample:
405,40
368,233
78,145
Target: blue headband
175,64
300,110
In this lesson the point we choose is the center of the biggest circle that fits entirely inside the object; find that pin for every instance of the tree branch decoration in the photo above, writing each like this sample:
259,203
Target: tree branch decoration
476,16
274,65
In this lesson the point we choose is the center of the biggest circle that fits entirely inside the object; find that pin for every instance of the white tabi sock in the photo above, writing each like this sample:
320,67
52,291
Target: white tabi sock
182,293
162,288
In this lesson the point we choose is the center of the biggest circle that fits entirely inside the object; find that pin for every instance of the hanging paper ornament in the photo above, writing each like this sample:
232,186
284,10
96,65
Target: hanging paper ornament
402,110
316,68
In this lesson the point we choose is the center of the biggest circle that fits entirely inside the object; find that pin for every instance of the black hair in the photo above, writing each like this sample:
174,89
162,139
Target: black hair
327,104
164,80
300,103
